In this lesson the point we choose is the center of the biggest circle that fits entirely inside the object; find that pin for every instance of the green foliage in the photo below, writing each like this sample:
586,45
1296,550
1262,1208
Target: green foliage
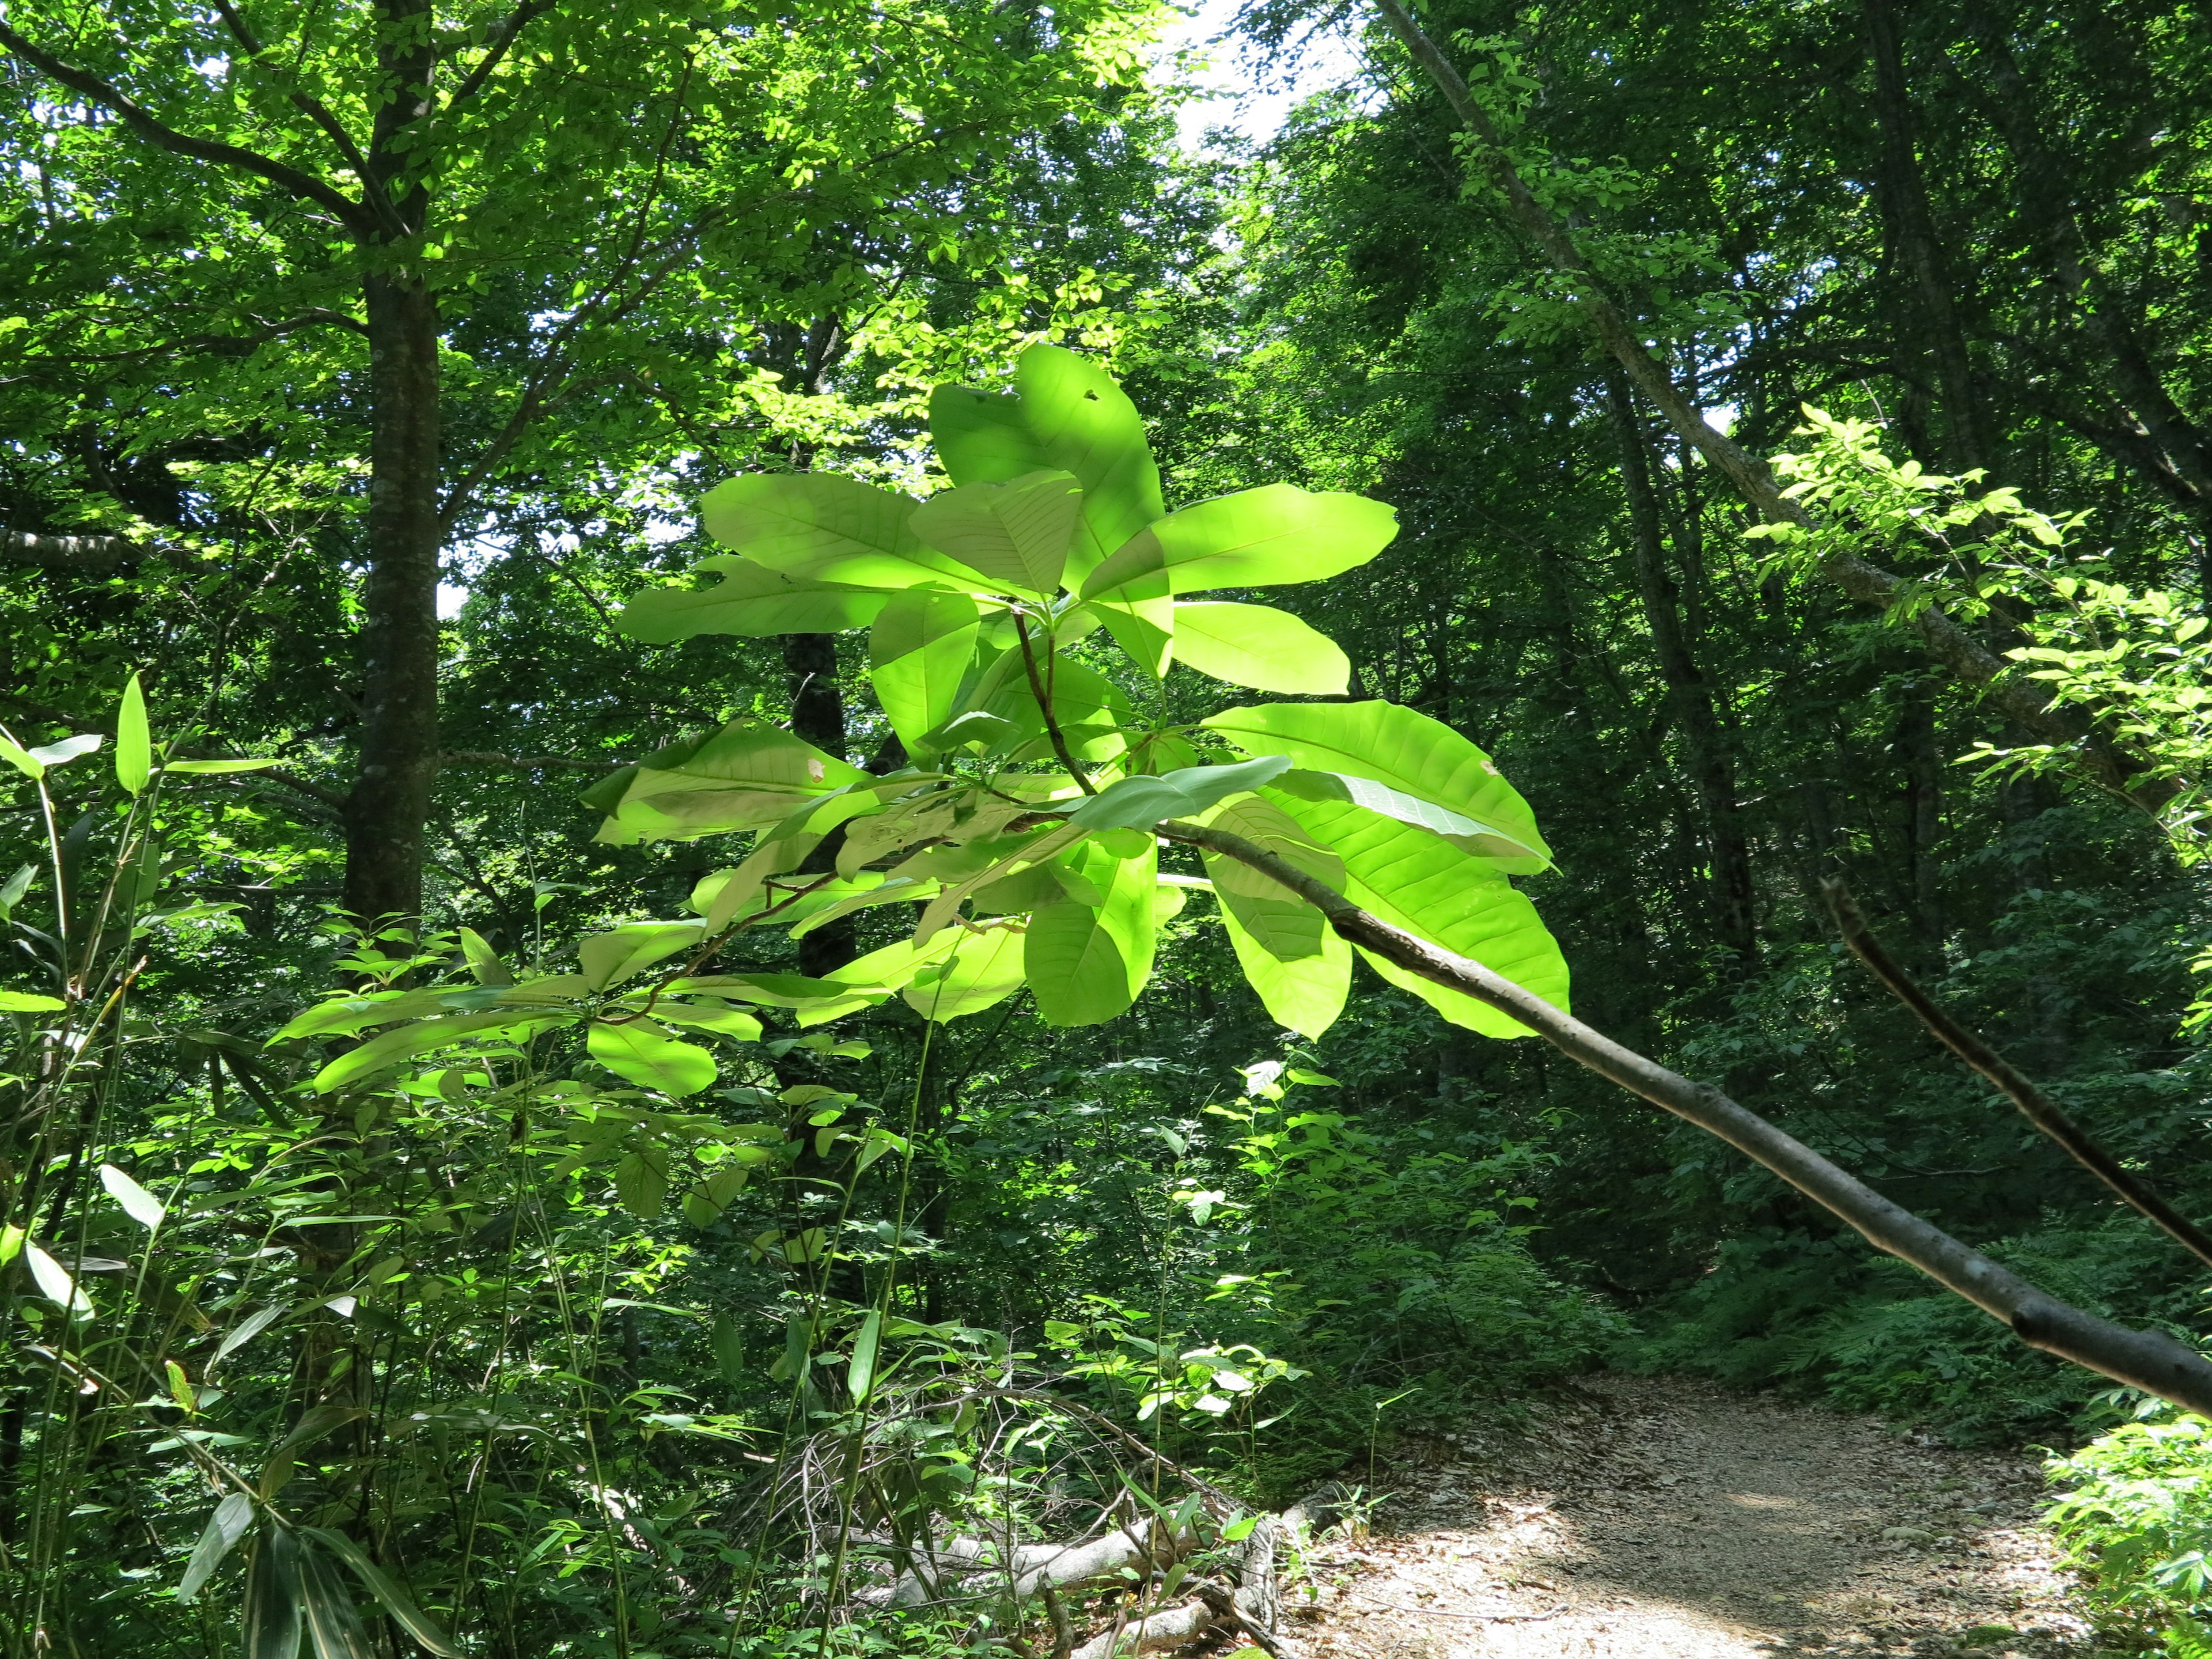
2135,1512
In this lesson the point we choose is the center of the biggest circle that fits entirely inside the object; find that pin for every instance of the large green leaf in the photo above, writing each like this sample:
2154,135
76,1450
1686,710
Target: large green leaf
641,1051
424,1036
1065,415
988,968
750,599
743,777
1261,537
1144,628
1141,801
821,527
607,959
1261,646
1403,749
1299,965
1016,535
1086,962
1434,890
134,748
918,651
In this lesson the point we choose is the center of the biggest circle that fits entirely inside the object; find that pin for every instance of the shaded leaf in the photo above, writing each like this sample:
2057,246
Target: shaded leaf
1142,801
388,1592
1016,534
224,1529
751,601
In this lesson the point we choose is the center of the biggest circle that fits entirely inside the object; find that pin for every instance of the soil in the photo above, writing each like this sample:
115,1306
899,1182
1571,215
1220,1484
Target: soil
1665,1518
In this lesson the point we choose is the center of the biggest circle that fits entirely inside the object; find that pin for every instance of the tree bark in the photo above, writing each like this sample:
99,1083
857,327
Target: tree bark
2149,1360
1920,251
1688,688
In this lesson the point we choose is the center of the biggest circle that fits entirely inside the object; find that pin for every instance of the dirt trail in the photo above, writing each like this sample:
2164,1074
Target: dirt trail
1666,1519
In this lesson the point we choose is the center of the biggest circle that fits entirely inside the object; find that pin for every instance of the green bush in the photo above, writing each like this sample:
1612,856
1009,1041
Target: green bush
2136,1518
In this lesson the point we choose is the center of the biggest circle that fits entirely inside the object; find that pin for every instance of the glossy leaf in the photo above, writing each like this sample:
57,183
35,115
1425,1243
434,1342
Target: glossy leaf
823,528
134,747
141,1205
1065,413
751,601
745,776
1429,887
54,1282
1261,537
1402,749
1086,963
1261,646
1016,535
918,651
65,750
641,1051
1142,801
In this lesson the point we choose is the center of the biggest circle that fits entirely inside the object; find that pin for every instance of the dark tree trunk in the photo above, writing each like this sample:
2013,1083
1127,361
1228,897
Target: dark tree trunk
391,798
817,714
1689,691
1922,764
1918,248
398,761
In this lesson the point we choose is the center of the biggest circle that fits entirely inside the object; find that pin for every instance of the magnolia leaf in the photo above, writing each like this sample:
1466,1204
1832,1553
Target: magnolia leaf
1262,538
27,1002
224,1529
1470,835
987,969
919,653
1299,966
732,1023
389,1047
1261,646
745,776
1144,628
484,965
610,959
823,528
141,1205
641,1051
1045,844
1016,534
1065,413
1142,801
134,748
1437,891
221,768
1086,963
1402,749
751,601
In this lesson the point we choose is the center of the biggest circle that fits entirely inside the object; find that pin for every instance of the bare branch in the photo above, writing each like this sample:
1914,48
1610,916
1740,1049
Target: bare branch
473,82
350,213
2034,1105
2149,1360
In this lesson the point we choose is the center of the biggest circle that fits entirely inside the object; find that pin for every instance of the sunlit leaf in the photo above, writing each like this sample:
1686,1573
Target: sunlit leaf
134,748
987,969
1261,537
823,528
607,959
1261,646
920,650
1086,963
141,1205
751,601
1016,534
641,1051
29,1002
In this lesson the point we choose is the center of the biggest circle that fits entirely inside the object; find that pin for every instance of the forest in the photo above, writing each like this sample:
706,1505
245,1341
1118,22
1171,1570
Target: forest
821,833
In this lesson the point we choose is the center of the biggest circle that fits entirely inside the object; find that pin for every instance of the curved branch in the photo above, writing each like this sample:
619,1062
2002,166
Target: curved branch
350,213
2149,1360
2037,1107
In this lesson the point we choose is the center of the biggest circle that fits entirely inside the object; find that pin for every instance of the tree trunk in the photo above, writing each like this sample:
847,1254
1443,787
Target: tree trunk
1688,689
1906,190
398,763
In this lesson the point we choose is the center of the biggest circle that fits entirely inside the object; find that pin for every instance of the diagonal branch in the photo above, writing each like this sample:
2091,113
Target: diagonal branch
2149,1360
2019,699
473,82
350,213
2035,1106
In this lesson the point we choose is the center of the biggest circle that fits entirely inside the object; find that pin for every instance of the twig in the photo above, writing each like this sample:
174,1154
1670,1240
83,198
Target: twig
1044,703
2034,1105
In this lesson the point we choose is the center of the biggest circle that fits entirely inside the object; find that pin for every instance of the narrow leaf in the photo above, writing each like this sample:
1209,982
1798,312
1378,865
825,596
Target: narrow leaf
54,1281
224,1529
28,1002
141,1205
273,1621
134,748
860,1374
387,1591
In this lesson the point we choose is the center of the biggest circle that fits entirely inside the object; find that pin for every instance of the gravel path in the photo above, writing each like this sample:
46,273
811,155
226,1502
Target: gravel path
1666,1519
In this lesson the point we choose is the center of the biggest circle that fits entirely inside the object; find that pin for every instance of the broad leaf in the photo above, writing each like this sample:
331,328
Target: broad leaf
821,527
30,1002
743,777
1469,835
918,651
751,601
1016,535
724,1022
641,1179
988,968
134,748
641,1051
60,753
1400,748
1066,415
1299,965
1261,537
389,1047
608,959
1433,890
1261,646
1142,801
1086,963
485,965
